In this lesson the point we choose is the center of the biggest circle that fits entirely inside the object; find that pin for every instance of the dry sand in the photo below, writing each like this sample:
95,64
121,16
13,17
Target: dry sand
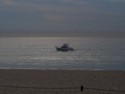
25,80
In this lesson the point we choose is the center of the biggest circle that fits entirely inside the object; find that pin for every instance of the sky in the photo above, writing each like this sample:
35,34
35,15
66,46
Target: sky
62,17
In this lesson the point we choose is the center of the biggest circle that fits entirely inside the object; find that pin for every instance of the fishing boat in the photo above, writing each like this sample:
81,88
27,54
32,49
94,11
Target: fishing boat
64,48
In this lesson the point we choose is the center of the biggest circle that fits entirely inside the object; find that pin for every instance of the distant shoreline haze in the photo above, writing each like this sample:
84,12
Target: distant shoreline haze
65,34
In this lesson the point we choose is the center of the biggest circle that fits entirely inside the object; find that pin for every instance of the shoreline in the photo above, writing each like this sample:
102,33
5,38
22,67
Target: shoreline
103,79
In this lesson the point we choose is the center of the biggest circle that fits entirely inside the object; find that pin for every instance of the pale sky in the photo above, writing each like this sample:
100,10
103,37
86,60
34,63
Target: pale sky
62,17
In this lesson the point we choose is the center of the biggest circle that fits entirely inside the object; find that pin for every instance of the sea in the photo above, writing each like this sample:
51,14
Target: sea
91,53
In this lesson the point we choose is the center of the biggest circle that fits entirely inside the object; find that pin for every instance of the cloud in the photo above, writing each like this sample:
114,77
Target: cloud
14,5
57,14
61,10
122,1
7,3
53,6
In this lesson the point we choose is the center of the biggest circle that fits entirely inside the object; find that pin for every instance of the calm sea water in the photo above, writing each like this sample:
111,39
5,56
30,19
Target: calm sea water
40,53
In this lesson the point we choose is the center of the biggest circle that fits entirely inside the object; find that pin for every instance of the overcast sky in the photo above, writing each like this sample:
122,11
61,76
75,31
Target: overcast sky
62,17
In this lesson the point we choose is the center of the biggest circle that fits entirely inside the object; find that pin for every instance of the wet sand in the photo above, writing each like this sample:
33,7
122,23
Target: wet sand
60,81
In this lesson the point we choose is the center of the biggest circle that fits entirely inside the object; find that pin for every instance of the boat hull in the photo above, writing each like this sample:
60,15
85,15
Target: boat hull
64,49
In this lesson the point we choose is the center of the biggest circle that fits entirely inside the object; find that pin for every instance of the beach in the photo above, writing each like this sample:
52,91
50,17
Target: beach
19,81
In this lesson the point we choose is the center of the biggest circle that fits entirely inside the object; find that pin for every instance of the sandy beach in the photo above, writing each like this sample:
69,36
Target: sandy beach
61,82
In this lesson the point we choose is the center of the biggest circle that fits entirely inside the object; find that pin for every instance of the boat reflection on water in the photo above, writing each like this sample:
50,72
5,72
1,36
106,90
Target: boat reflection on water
65,47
